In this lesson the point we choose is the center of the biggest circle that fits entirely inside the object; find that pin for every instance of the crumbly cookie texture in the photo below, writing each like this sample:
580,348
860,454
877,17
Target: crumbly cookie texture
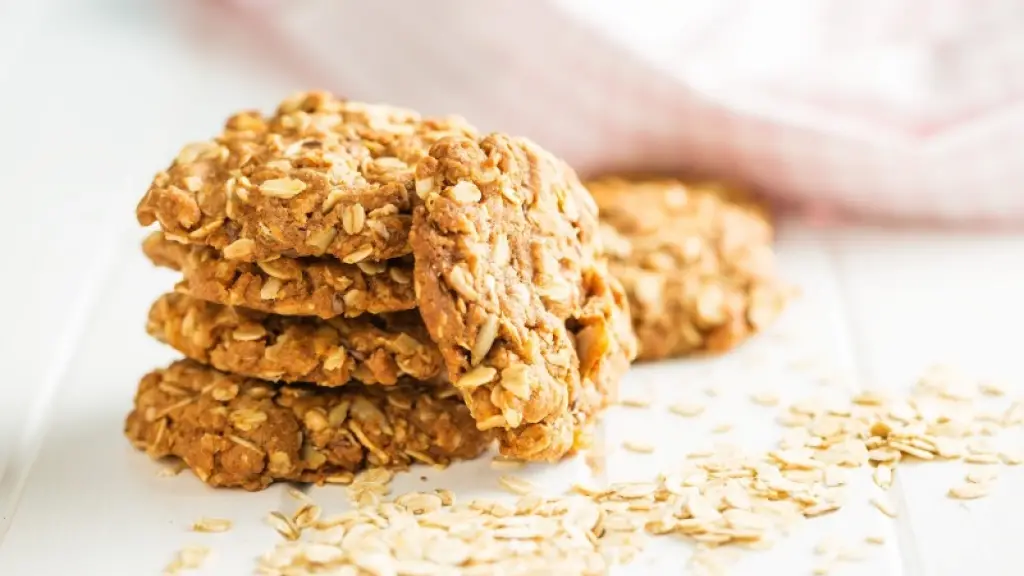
369,349
321,176
696,261
605,345
241,432
503,238
323,287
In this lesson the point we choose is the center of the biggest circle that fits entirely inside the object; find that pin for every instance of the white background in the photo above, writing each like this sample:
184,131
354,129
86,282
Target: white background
95,97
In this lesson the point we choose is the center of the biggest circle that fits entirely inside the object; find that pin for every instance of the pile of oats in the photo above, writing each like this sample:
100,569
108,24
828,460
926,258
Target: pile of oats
720,500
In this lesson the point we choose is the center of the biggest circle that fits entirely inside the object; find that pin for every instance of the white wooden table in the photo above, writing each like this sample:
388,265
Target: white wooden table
95,100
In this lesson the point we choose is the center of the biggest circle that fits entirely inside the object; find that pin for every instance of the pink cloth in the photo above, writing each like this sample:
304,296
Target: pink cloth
910,109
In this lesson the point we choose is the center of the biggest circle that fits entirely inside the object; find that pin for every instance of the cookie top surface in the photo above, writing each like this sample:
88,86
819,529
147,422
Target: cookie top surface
502,240
320,176
678,220
696,261
323,287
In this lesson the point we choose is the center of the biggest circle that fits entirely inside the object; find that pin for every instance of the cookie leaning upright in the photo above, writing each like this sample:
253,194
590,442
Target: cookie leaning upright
696,261
511,284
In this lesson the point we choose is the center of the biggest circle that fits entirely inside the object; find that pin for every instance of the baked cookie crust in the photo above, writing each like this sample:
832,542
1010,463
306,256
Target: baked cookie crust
242,432
324,287
368,349
320,176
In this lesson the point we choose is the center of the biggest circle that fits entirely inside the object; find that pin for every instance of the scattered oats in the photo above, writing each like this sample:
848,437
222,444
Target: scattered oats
381,476
631,490
171,469
211,525
722,498
982,459
283,524
686,409
851,554
188,558
700,508
721,428
737,497
796,459
1011,458
636,402
343,478
517,485
321,553
1014,415
306,515
638,446
834,476
585,490
884,455
882,477
911,450
447,496
790,420
299,495
991,388
504,464
711,391
420,502
968,491
820,570
870,398
981,446
948,448
765,398
982,475
884,506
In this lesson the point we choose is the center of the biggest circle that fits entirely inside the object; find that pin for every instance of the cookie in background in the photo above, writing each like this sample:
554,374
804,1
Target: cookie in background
696,261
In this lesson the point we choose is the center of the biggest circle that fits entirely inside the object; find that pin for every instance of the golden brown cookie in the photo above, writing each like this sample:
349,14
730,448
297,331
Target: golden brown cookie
503,241
236,431
321,176
696,261
323,287
369,349
605,344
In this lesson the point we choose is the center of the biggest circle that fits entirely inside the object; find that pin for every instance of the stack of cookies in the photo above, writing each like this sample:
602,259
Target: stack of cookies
366,287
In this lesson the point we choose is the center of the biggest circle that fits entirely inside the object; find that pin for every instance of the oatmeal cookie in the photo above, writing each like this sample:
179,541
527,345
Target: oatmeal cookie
696,261
369,349
240,432
503,239
605,344
323,287
321,176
